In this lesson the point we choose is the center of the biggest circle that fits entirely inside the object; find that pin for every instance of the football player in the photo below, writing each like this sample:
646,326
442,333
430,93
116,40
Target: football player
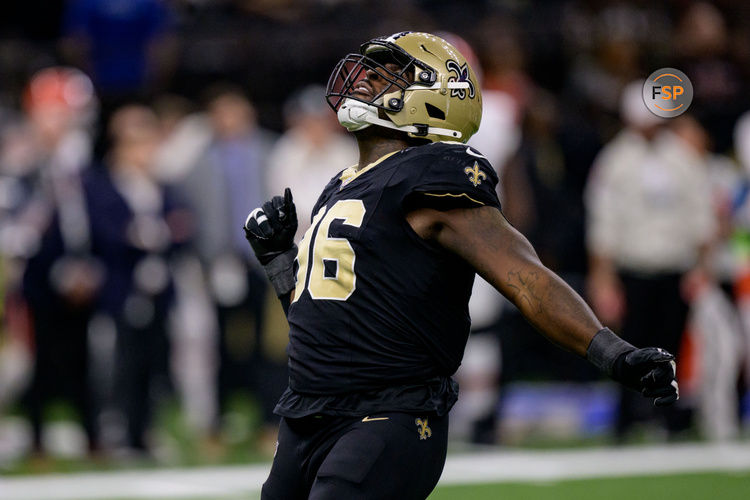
377,293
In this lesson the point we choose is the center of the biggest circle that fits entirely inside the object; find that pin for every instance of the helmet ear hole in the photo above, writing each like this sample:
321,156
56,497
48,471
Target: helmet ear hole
434,111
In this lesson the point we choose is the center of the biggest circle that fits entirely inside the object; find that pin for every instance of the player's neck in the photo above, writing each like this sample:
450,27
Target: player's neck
373,146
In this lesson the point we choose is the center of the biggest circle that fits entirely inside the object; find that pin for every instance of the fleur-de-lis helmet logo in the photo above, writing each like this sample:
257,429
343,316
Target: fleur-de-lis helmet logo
461,75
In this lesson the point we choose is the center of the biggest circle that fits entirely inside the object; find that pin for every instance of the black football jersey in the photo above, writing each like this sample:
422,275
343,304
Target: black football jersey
378,311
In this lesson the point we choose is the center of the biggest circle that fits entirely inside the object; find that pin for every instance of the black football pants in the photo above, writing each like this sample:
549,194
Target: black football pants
382,456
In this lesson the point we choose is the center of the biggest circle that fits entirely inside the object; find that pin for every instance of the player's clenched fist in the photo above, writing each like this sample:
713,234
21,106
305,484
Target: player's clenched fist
650,371
271,228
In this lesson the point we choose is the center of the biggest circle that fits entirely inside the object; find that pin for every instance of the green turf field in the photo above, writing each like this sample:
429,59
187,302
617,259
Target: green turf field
706,486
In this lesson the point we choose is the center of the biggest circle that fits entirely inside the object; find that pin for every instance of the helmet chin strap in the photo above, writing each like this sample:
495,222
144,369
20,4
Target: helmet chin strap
356,115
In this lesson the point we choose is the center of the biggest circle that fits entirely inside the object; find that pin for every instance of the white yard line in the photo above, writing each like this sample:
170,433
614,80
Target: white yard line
506,466
207,482
481,467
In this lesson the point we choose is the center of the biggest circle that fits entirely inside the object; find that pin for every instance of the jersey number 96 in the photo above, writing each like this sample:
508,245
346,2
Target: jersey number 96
331,269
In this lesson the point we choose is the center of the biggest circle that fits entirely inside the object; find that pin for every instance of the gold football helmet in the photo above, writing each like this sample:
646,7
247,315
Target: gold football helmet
434,95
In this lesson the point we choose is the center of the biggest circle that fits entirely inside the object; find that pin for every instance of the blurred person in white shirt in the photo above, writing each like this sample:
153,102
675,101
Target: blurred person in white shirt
311,151
225,183
650,222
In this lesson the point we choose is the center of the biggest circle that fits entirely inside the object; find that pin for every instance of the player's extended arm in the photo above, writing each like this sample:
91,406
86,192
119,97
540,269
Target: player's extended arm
270,230
501,255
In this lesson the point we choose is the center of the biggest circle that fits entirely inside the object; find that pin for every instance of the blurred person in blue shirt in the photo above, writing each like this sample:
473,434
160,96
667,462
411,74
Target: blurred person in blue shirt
137,224
227,181
125,45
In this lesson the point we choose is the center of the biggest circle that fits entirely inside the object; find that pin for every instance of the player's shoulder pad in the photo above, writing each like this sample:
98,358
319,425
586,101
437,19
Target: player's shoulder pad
455,175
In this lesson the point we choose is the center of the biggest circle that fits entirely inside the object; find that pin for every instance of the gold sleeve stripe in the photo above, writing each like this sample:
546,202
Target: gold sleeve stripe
455,196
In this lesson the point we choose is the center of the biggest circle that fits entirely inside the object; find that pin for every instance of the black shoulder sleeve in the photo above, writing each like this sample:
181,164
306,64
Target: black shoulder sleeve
327,192
454,176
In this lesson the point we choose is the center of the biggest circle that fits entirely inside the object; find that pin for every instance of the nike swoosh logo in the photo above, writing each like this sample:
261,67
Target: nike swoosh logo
368,419
472,153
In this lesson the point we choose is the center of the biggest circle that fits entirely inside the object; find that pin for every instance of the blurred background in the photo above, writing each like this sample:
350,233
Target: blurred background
136,135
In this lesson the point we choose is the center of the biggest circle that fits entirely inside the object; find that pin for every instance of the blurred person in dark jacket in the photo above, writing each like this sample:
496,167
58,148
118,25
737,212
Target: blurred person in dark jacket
136,224
45,235
186,133
45,238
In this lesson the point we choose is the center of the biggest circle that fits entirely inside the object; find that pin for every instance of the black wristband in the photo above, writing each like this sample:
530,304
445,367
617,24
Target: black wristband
605,348
280,270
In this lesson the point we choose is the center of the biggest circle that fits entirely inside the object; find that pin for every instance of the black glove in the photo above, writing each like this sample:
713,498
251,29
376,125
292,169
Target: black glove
271,229
650,371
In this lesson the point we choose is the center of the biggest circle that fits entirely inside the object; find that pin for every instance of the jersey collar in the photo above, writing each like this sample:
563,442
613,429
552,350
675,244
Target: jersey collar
352,173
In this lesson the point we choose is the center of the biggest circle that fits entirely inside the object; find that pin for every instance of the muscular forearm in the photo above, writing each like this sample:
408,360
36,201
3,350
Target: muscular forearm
554,308
504,257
